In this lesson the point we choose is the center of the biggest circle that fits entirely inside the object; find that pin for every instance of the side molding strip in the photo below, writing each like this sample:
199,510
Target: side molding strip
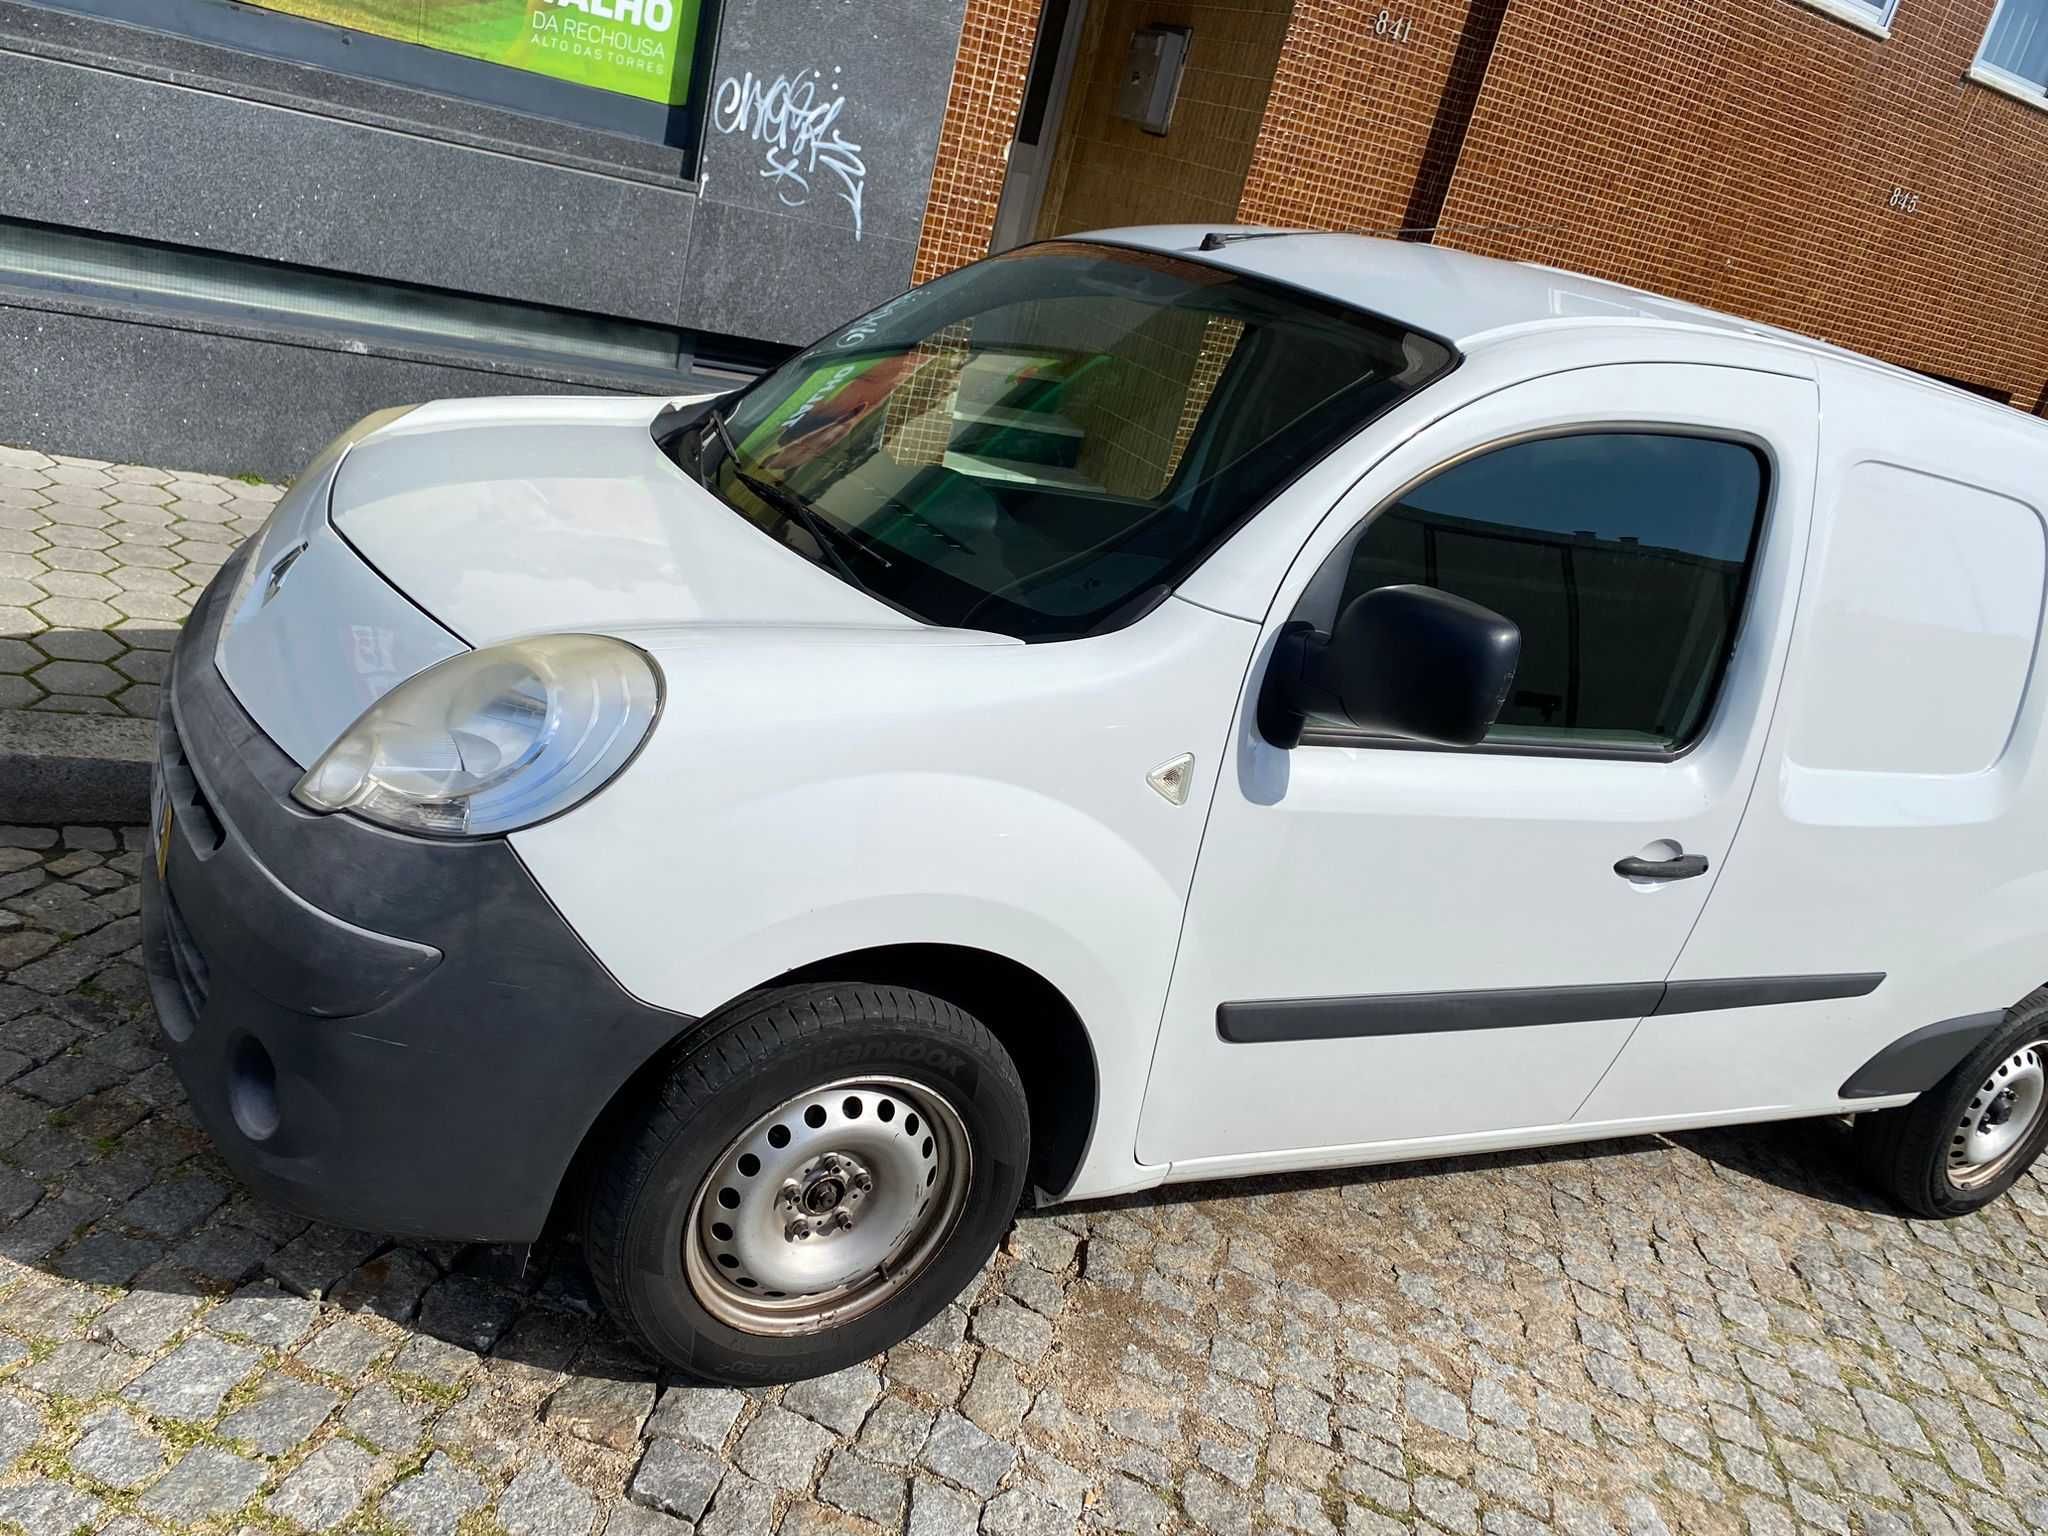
1756,991
1918,1061
1427,1013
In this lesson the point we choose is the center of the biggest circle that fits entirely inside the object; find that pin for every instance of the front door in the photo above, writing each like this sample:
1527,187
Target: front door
1388,944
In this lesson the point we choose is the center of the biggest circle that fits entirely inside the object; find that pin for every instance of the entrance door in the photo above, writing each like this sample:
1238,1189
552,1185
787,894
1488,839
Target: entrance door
1396,947
1038,123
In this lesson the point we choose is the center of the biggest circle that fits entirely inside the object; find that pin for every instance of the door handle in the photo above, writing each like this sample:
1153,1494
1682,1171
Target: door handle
1682,867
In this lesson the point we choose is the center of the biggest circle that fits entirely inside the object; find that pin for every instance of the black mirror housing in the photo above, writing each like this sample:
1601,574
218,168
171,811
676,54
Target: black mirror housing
1410,662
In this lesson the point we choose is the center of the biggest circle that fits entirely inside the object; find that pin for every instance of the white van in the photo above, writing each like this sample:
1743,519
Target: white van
1154,706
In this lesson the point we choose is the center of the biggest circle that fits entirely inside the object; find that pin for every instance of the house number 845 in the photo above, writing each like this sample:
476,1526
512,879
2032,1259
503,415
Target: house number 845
1903,201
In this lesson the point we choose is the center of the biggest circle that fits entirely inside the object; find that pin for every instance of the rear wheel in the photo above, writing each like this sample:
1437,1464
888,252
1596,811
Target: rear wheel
1965,1141
822,1170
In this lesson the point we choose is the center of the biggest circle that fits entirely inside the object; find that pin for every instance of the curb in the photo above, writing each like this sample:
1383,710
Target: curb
58,770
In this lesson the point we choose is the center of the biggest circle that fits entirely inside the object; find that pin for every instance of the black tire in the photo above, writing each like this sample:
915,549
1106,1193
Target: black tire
1905,1151
765,1050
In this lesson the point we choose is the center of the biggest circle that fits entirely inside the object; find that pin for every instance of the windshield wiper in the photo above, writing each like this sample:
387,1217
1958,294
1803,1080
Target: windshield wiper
790,504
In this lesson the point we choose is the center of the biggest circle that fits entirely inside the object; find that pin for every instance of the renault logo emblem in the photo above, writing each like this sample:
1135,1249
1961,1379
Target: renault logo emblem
281,569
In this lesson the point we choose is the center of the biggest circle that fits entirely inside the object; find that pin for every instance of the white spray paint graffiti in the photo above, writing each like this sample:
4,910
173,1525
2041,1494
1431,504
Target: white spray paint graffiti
796,121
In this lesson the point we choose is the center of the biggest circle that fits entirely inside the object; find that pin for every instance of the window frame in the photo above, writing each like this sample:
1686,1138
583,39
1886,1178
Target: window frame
2033,93
1325,589
1872,16
669,431
338,63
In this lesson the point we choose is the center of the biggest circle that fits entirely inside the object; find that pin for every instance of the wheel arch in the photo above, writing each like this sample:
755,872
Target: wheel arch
1042,1031
1037,1025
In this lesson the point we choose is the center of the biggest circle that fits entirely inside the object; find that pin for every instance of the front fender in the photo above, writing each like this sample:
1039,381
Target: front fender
810,795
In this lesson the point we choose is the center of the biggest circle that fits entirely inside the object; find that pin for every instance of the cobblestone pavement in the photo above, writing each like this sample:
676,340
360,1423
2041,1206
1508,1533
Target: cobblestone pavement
1714,1333
99,564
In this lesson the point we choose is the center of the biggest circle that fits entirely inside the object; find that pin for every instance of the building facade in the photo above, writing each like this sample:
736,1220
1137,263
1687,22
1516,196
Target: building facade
1873,172
229,228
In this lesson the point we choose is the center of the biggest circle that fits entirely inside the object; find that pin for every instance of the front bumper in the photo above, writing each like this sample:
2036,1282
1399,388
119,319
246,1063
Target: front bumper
381,1031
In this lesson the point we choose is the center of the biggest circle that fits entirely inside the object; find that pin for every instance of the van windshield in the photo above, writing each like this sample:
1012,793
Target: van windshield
1043,444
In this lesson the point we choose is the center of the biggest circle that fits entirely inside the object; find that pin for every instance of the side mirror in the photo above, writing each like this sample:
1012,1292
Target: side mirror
1411,662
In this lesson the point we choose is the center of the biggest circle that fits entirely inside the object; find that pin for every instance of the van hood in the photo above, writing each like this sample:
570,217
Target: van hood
507,517
488,519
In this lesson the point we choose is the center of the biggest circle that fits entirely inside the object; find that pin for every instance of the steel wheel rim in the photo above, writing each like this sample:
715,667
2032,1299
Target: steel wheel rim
827,1205
1999,1121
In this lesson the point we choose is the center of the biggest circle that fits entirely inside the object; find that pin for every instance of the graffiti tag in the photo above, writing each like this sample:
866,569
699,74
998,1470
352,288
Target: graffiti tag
795,120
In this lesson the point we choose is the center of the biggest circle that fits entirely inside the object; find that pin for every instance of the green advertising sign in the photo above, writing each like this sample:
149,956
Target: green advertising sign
639,48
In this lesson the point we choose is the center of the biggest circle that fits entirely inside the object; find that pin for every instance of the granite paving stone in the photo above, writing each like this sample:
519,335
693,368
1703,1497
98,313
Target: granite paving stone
190,1382
207,1484
434,1362
862,1487
107,1258
327,1487
676,1479
702,1416
389,1285
263,1314
936,1510
435,1500
782,1449
1711,1334
541,1500
21,1425
839,1401
602,1409
960,1451
44,1505
118,1451
468,1310
320,1258
387,1419
741,1507
82,1371
281,1414
344,1349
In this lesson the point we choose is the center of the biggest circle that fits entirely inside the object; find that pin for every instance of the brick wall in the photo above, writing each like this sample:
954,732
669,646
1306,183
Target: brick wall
1743,155
996,39
1359,126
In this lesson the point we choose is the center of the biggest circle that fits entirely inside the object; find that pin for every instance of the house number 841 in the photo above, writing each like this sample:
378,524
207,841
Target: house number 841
1395,29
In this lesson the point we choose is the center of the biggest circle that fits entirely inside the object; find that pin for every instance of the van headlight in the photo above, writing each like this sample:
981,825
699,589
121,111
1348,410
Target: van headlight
492,740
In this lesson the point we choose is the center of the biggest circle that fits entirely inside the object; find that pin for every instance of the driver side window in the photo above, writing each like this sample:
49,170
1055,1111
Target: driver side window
1624,557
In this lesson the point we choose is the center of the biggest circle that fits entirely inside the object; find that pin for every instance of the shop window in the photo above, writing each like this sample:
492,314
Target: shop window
634,67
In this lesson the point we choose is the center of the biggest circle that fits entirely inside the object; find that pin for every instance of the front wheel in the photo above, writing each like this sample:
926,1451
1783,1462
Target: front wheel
822,1170
1965,1141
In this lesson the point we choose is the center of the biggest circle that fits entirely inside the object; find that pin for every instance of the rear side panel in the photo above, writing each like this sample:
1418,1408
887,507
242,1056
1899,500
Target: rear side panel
1899,822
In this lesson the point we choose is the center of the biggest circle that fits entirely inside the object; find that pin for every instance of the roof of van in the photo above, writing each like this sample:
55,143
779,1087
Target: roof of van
1448,293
